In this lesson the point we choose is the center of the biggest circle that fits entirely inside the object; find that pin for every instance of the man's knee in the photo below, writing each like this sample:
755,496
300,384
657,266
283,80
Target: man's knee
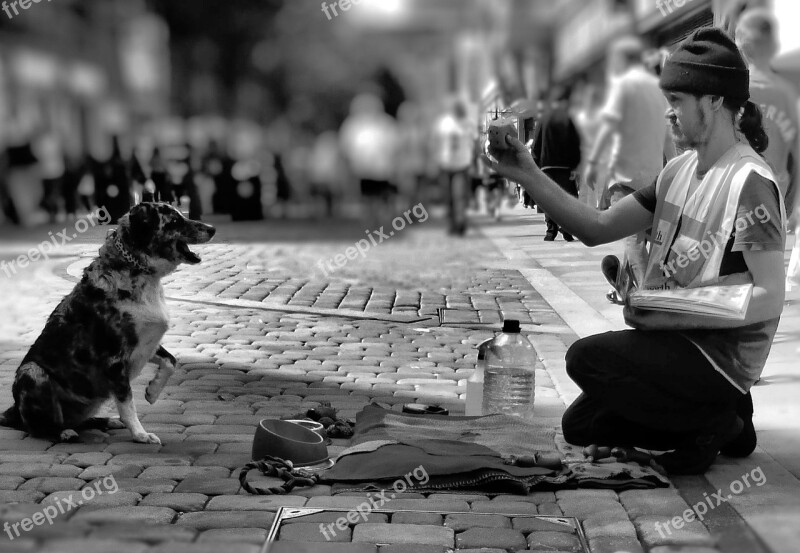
578,358
575,428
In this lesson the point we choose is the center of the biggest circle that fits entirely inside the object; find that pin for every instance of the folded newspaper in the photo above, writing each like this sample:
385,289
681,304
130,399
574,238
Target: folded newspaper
728,301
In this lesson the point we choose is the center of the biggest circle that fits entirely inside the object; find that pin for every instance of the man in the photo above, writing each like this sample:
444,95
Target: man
633,118
369,144
557,150
756,37
679,382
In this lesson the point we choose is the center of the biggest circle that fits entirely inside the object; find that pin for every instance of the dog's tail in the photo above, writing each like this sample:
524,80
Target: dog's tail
11,418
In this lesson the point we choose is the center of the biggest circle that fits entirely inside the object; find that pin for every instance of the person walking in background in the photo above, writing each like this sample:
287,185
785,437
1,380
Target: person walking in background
756,37
587,120
50,152
633,118
454,148
369,140
160,178
557,151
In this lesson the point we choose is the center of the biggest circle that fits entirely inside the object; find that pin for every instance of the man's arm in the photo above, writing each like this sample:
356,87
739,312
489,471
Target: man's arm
766,303
591,226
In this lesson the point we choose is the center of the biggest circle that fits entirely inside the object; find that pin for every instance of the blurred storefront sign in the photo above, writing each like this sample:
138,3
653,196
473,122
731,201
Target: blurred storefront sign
583,36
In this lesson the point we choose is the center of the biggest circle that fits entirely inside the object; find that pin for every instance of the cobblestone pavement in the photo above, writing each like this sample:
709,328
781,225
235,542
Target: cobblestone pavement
260,330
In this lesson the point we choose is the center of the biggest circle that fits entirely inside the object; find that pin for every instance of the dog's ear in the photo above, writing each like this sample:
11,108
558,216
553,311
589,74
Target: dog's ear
143,222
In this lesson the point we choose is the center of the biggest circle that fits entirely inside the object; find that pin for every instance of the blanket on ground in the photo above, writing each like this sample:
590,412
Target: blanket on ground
446,453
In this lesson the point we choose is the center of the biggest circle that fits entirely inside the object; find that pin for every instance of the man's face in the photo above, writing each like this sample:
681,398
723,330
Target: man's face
689,117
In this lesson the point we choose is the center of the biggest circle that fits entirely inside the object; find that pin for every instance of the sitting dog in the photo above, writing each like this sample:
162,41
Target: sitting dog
104,332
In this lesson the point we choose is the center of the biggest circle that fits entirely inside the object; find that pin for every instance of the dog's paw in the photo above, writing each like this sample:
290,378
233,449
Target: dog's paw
68,435
146,438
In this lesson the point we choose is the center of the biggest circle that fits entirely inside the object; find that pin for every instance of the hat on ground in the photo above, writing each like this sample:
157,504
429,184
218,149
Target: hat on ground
707,62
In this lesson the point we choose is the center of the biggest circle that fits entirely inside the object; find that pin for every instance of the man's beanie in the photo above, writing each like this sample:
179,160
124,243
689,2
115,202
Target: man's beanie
707,62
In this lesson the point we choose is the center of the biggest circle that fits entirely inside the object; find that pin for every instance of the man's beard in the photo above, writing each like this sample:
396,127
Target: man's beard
685,142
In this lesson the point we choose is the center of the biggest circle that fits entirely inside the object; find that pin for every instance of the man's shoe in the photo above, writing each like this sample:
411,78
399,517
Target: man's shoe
549,237
697,456
745,443
610,268
568,237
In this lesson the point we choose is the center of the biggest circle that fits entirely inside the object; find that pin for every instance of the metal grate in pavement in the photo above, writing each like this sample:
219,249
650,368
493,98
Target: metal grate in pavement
301,530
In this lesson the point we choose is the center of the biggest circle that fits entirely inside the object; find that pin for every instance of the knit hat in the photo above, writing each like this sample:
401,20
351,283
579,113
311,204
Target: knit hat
707,62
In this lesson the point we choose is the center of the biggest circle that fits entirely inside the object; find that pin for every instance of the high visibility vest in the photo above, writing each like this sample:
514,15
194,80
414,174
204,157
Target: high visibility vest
690,256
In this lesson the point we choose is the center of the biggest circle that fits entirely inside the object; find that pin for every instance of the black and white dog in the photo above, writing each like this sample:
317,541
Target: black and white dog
105,331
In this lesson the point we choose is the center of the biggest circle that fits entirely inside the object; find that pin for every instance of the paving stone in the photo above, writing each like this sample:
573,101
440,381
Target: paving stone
689,549
181,502
255,536
10,483
407,533
119,471
609,524
145,486
586,508
527,525
227,460
145,515
20,496
665,502
310,532
296,547
209,486
502,538
149,533
118,499
431,519
332,516
459,523
34,470
226,519
674,531
230,547
180,473
416,548
554,541
253,503
550,509
50,484
150,460
446,506
504,507
93,546
606,544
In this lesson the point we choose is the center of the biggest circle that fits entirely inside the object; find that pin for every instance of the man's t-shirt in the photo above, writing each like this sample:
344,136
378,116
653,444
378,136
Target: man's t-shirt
740,353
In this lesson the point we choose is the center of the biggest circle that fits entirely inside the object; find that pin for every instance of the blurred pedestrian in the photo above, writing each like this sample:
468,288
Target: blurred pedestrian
454,147
23,181
588,121
557,151
325,170
50,152
113,189
160,177
369,142
218,165
757,38
633,118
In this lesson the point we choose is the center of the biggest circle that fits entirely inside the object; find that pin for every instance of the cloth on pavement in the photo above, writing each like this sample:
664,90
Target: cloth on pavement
465,454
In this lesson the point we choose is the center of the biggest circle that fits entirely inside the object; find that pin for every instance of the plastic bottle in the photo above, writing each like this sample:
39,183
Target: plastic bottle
474,407
509,377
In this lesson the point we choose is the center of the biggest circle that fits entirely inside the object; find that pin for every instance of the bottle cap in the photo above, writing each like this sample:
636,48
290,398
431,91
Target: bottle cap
511,326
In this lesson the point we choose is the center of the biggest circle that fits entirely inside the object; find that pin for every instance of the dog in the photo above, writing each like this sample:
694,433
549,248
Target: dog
106,330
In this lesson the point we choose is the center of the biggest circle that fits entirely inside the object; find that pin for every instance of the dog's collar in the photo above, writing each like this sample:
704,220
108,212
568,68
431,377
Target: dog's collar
126,255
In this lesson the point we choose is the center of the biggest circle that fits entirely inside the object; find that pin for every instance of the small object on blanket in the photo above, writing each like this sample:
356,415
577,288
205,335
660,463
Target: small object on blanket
421,409
595,452
628,454
544,460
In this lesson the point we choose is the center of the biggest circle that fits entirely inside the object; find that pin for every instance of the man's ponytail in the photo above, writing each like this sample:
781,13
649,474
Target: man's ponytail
752,127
